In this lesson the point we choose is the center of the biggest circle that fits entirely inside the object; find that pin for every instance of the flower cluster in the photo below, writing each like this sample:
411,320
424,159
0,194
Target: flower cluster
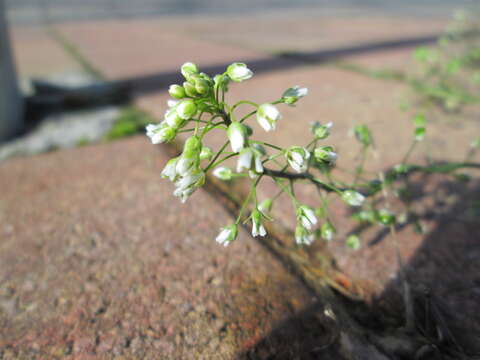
200,102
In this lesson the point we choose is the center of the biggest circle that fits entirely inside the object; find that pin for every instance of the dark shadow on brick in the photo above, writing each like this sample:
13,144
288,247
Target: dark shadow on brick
444,275
155,82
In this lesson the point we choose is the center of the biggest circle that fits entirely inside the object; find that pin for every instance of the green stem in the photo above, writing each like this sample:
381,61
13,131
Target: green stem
359,169
222,160
216,156
267,144
253,190
409,152
247,116
244,102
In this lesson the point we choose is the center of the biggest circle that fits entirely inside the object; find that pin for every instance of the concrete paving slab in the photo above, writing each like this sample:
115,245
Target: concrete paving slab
98,259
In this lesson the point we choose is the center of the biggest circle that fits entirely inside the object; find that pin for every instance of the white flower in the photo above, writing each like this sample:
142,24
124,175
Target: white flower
172,118
297,158
169,171
227,235
292,95
159,133
239,72
267,116
306,216
257,226
190,158
353,198
187,184
223,173
245,160
185,165
172,103
303,236
186,109
237,134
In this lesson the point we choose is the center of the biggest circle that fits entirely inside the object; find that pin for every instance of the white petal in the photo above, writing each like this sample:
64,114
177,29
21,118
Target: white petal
310,215
244,161
237,141
302,92
296,157
223,236
306,223
265,124
262,230
272,112
172,103
295,166
258,165
254,229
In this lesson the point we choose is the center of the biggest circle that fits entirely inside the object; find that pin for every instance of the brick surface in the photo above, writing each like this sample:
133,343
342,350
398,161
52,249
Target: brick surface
99,260
123,49
37,54
340,96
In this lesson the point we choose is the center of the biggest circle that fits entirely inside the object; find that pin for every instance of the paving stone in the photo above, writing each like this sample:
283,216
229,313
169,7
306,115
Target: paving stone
336,95
99,259
38,55
124,49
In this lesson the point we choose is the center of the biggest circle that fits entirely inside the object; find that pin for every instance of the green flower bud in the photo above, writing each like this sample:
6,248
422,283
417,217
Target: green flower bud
325,154
188,69
321,131
221,82
190,89
363,134
386,217
176,91
206,153
353,242
365,216
186,109
420,133
293,94
202,86
223,173
192,147
419,120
